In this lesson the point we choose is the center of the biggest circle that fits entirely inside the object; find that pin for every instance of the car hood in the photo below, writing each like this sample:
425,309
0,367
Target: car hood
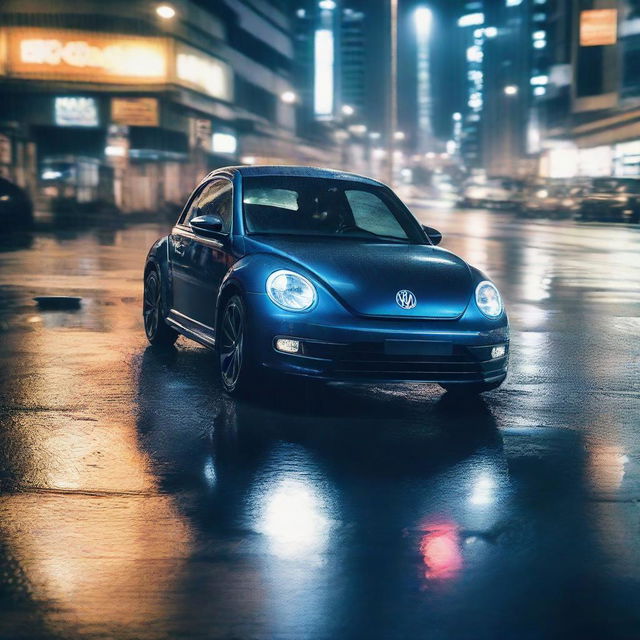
366,276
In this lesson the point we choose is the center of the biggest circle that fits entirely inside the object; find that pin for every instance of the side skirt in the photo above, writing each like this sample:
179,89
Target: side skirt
200,333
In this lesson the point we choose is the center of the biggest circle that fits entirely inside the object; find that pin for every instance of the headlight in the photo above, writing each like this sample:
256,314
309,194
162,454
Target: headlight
290,291
488,299
542,193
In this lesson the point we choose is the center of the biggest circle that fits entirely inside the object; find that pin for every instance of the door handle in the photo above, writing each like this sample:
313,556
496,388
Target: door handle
179,247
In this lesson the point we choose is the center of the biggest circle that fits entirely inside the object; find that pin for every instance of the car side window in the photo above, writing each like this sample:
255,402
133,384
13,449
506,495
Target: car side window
216,198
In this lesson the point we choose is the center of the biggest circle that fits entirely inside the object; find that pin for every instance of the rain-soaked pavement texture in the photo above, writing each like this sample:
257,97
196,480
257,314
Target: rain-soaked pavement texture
138,501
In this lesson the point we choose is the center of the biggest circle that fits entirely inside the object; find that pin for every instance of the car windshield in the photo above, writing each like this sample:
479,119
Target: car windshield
337,209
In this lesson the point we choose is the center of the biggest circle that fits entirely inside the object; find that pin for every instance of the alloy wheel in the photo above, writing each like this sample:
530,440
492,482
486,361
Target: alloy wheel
151,305
231,344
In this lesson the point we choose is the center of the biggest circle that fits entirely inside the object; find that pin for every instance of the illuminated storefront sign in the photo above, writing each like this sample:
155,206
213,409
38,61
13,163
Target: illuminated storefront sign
595,161
82,56
224,143
598,27
323,68
75,111
97,58
203,72
135,112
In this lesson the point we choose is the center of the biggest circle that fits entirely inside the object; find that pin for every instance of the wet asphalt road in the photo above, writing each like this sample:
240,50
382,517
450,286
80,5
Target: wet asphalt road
138,501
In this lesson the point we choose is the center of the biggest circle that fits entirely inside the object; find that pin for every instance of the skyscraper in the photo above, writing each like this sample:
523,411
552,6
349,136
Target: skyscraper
423,20
352,59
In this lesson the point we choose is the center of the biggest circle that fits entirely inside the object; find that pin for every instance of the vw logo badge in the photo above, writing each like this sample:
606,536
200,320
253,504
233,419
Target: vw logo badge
406,299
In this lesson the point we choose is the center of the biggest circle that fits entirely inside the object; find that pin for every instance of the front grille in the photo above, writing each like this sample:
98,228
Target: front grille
369,361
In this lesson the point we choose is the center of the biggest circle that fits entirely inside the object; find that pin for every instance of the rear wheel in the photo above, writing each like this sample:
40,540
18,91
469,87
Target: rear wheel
471,389
235,365
157,330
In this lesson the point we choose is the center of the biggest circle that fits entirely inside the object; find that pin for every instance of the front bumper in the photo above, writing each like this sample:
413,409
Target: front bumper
359,349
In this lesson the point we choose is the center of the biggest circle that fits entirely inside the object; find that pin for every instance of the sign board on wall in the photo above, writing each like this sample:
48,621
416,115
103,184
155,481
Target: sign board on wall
598,27
200,133
5,149
85,56
197,70
70,55
135,112
75,111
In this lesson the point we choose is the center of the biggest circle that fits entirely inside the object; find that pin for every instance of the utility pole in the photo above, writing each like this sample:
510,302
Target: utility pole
392,108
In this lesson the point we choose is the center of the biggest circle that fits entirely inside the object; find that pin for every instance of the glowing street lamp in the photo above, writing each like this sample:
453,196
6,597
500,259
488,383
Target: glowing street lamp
510,90
347,110
165,11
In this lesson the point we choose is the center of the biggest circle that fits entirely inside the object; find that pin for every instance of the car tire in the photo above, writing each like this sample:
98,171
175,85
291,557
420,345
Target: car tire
471,388
155,327
236,367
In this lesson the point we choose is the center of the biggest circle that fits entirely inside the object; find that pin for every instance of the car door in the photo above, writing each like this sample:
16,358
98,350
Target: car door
199,263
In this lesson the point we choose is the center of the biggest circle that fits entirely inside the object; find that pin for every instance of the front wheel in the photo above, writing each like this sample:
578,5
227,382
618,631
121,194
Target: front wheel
235,364
471,388
157,330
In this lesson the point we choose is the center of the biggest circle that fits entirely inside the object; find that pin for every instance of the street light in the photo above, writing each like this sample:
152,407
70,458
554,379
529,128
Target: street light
399,135
165,11
347,110
288,97
511,90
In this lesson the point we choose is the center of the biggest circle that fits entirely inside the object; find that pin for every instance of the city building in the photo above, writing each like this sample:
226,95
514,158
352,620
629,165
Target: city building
131,102
471,23
330,74
508,45
592,110
352,60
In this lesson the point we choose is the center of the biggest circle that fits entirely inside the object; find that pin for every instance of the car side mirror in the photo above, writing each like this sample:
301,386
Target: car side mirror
207,225
433,234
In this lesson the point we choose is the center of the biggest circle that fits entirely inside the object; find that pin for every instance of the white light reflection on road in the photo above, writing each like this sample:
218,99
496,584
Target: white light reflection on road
294,519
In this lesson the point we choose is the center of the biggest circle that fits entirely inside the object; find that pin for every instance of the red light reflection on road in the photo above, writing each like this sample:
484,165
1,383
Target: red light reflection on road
440,550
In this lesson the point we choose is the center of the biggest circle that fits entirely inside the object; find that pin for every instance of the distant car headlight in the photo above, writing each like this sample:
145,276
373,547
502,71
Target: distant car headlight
488,299
542,193
291,291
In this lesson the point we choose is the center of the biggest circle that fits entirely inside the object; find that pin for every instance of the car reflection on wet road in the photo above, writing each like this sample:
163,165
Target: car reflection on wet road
139,501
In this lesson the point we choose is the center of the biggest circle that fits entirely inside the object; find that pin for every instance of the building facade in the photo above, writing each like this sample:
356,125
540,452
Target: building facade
130,103
592,107
508,57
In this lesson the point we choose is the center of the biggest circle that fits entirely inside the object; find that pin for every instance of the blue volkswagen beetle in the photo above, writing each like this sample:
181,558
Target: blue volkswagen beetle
322,274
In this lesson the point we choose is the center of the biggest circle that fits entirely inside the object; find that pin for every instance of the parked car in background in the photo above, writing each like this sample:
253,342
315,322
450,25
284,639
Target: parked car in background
551,199
613,199
493,193
15,206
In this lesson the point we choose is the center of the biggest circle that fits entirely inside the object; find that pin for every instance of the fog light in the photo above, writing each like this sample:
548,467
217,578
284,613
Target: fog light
287,345
498,352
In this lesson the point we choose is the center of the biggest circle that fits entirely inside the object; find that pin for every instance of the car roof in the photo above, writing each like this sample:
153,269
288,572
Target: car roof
293,171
